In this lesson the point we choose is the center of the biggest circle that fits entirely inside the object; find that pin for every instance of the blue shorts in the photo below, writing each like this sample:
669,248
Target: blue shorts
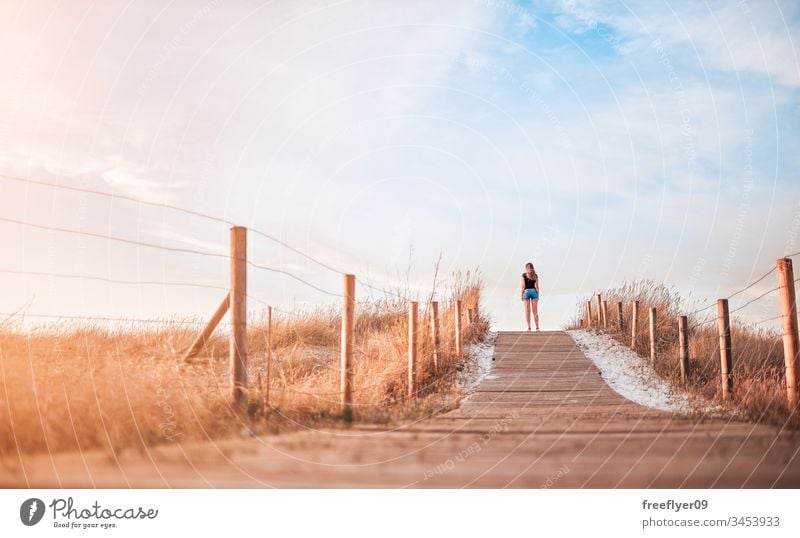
531,294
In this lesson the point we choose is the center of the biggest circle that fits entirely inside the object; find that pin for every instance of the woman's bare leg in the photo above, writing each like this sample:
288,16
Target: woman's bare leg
535,308
527,313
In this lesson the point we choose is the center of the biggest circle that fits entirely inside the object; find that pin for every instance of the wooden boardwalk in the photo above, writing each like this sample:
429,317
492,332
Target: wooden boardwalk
543,418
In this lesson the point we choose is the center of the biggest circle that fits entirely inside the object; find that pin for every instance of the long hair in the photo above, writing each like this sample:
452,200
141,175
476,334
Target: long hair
533,269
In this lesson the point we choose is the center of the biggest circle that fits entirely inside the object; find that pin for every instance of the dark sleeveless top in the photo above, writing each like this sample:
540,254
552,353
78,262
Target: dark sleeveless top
530,284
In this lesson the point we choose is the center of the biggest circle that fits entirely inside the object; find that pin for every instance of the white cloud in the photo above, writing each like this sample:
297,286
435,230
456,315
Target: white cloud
754,37
134,184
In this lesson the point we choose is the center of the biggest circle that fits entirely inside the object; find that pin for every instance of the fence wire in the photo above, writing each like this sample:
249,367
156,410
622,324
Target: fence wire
199,214
734,294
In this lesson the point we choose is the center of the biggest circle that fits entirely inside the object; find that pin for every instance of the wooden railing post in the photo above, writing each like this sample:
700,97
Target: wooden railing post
605,314
683,347
724,325
348,331
599,311
413,312
634,322
653,333
588,314
269,355
457,316
620,318
791,349
435,334
238,300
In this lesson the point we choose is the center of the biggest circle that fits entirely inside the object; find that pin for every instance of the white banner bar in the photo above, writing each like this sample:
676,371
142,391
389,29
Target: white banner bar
401,513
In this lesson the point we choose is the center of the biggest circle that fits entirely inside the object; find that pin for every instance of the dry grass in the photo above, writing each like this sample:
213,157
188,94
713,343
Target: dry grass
79,387
758,365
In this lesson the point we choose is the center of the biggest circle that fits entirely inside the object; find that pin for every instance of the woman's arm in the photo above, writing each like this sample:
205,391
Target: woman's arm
522,293
536,285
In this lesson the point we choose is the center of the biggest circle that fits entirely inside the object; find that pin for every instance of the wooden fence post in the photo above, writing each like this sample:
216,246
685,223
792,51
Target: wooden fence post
634,322
599,311
605,314
435,333
620,319
348,331
683,347
724,324
238,300
413,312
269,355
457,315
791,352
653,333
588,314
201,341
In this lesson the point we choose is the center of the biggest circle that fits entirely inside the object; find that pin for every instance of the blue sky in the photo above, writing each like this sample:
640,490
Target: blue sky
602,141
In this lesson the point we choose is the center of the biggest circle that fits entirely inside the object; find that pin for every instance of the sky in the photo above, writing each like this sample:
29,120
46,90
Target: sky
604,142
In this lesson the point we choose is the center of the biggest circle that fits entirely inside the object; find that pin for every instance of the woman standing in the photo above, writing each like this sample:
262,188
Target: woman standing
530,294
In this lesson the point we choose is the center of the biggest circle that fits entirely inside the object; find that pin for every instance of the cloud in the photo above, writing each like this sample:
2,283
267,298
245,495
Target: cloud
135,184
742,37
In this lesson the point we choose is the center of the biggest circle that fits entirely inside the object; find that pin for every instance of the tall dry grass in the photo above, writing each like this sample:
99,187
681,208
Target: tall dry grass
759,392
81,386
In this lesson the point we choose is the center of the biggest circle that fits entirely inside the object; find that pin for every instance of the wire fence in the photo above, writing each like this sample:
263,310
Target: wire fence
741,307
385,290
388,293
686,330
734,294
195,213
740,291
164,321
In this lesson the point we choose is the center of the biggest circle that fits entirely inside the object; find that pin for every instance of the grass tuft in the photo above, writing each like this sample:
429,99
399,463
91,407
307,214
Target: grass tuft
81,386
759,388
